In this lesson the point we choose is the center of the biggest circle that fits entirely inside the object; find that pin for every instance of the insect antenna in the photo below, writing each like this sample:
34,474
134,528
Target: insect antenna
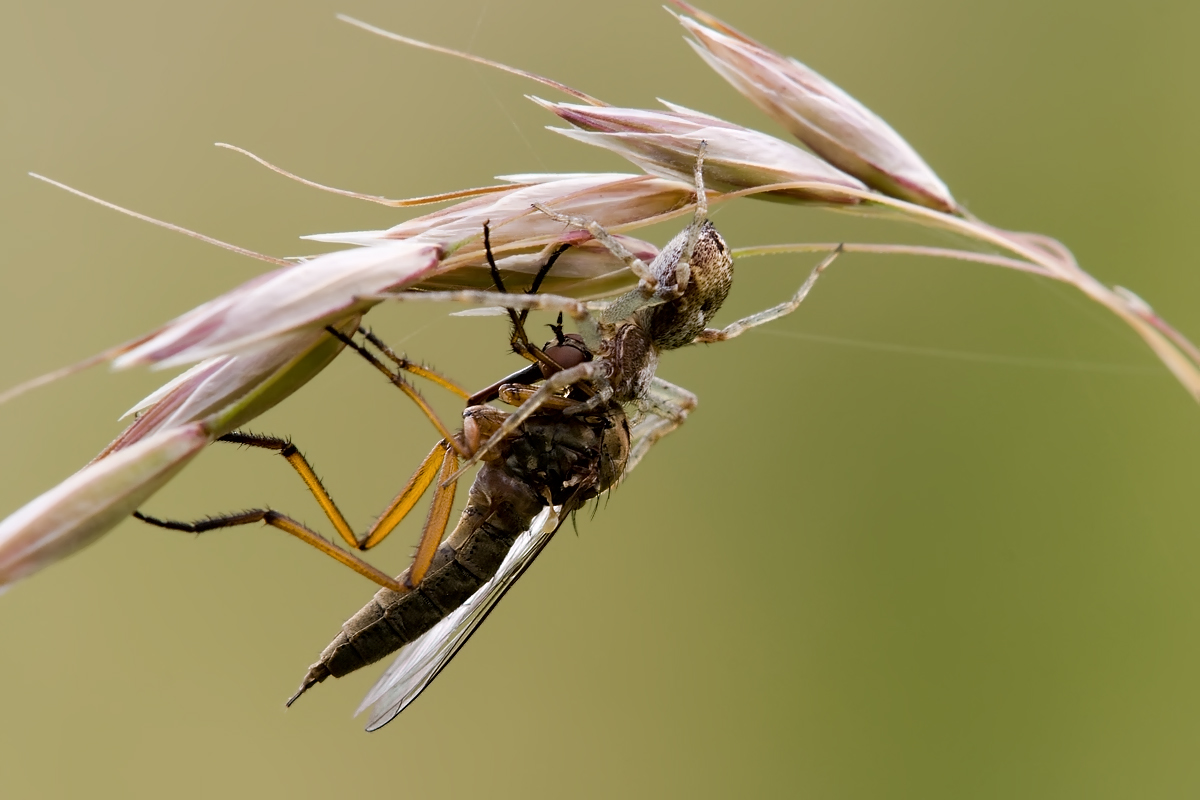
559,337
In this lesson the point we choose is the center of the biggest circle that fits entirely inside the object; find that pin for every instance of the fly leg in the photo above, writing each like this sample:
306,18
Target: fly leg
408,389
439,464
283,523
771,314
412,367
520,339
443,460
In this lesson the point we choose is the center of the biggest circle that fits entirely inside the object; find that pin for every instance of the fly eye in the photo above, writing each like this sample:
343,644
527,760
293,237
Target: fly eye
567,355
471,433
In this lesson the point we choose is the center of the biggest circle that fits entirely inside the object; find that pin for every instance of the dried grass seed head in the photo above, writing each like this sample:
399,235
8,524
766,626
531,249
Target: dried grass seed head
92,501
833,124
665,143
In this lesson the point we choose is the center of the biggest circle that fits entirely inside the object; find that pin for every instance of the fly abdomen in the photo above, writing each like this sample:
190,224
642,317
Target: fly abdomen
498,509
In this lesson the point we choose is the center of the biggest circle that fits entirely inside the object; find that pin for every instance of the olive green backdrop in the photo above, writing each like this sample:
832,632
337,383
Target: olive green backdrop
933,536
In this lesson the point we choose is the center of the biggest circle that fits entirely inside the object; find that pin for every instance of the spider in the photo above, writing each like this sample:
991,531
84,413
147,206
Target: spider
677,294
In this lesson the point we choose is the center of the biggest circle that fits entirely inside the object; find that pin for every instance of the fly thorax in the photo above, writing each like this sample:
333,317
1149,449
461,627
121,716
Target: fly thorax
570,459
679,322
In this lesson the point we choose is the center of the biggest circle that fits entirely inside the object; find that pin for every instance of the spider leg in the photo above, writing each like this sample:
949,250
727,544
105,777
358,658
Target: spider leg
683,267
614,246
588,326
516,395
668,275
662,408
771,314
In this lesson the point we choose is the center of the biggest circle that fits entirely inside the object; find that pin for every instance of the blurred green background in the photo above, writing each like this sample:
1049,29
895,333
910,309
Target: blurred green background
933,536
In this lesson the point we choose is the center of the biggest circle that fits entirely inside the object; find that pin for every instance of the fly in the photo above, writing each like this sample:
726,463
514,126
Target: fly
567,442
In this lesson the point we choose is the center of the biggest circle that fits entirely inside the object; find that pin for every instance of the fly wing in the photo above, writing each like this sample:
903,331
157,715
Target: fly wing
420,661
